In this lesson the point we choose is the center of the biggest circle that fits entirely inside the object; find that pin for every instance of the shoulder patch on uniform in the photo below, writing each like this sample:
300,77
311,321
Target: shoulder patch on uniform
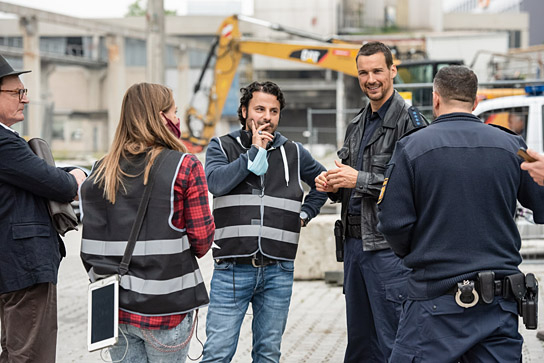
503,128
418,120
385,181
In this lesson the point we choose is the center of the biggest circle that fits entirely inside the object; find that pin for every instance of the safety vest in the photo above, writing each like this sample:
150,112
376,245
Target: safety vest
262,212
163,277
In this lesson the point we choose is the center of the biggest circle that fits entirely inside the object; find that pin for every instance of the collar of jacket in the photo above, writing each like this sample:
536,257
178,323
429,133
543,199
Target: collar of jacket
392,115
457,116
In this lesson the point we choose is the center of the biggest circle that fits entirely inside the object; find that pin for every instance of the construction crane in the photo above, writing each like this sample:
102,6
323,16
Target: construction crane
227,49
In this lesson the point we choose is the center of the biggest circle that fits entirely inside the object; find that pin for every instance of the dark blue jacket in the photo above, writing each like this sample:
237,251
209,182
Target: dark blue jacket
29,245
449,202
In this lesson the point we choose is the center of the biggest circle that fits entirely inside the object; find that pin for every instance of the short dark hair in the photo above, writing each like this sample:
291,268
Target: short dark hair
458,83
372,48
247,95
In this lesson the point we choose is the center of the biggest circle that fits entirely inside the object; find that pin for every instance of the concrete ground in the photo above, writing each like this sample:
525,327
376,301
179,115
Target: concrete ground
316,328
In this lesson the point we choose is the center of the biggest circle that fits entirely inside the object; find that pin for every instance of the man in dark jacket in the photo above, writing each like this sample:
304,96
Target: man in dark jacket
30,247
255,177
374,278
448,210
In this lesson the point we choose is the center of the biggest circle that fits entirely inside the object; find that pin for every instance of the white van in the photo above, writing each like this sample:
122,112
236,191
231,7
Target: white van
521,114
525,116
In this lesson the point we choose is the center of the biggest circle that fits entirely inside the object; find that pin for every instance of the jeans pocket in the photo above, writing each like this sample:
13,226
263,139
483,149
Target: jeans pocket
172,340
288,266
224,265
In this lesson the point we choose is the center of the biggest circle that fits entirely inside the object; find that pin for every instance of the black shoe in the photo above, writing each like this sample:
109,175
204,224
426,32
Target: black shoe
540,334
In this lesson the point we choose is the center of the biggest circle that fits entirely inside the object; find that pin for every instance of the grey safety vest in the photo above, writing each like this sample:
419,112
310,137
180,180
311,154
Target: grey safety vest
262,212
163,277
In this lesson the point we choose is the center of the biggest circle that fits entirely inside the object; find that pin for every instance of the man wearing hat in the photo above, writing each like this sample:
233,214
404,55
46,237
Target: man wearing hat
30,247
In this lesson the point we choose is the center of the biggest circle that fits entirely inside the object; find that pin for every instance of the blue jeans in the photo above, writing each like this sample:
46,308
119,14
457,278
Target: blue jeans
439,330
153,346
233,287
375,288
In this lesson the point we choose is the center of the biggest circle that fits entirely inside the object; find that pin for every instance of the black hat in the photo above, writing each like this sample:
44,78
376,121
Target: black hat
7,70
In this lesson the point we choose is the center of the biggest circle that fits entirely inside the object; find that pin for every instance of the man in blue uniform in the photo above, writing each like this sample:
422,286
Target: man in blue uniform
373,276
447,208
255,177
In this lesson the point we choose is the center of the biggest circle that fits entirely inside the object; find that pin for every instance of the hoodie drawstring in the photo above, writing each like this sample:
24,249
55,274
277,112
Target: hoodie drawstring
285,165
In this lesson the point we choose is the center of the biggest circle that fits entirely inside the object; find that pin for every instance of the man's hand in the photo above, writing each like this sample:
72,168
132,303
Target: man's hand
321,184
342,177
80,178
536,168
260,138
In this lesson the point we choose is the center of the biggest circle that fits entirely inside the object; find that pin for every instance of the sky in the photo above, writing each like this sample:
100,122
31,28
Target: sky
96,8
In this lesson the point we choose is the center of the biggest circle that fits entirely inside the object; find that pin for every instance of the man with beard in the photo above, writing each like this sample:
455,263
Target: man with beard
255,177
374,278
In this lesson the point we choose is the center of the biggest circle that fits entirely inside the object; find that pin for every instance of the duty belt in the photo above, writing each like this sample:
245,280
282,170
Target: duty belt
520,287
353,228
469,292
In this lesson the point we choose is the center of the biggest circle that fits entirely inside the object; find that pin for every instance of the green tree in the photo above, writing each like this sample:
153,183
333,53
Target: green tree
137,9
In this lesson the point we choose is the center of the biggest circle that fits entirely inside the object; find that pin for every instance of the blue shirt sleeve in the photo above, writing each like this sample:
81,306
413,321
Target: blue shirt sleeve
309,170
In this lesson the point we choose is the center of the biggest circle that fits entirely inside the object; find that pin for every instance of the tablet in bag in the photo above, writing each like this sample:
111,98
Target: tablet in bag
103,313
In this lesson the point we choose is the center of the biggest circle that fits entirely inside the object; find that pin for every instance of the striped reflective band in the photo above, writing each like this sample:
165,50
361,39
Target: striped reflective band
255,200
157,287
252,231
161,287
143,248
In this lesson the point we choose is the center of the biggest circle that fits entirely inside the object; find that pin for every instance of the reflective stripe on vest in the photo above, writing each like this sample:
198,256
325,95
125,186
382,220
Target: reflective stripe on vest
253,230
156,287
142,248
244,199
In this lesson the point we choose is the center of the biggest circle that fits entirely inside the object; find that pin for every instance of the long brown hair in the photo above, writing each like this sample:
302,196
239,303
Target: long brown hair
140,129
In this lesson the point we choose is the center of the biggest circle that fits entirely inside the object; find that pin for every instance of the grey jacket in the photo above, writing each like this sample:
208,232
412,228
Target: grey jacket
399,119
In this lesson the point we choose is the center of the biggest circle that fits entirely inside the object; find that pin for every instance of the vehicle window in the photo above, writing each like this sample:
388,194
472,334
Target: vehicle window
414,73
513,118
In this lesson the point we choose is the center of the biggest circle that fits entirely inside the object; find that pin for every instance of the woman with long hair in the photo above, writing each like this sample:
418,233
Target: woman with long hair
163,285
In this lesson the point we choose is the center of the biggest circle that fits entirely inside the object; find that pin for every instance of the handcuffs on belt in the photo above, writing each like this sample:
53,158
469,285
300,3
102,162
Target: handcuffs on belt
466,295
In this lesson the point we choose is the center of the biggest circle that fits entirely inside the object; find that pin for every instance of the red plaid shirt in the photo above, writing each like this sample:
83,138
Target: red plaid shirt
191,211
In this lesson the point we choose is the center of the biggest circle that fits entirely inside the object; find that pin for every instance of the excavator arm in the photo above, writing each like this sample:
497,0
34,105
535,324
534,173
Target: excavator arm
228,49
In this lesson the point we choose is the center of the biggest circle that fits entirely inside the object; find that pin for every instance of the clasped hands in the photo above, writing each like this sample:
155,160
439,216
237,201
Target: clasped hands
344,176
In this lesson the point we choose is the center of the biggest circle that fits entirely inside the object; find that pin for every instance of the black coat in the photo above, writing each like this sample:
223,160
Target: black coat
30,247
399,119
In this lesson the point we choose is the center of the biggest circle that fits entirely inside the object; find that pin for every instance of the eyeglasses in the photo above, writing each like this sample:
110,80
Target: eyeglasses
21,91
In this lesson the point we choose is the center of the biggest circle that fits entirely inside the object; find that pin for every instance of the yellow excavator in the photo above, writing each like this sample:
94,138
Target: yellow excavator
227,49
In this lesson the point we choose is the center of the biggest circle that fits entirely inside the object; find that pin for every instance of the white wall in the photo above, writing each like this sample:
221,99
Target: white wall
465,46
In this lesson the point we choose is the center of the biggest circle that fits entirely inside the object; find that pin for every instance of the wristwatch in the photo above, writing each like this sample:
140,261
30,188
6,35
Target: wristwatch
304,218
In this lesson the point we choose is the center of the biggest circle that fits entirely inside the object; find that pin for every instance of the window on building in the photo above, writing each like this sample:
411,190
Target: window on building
514,39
